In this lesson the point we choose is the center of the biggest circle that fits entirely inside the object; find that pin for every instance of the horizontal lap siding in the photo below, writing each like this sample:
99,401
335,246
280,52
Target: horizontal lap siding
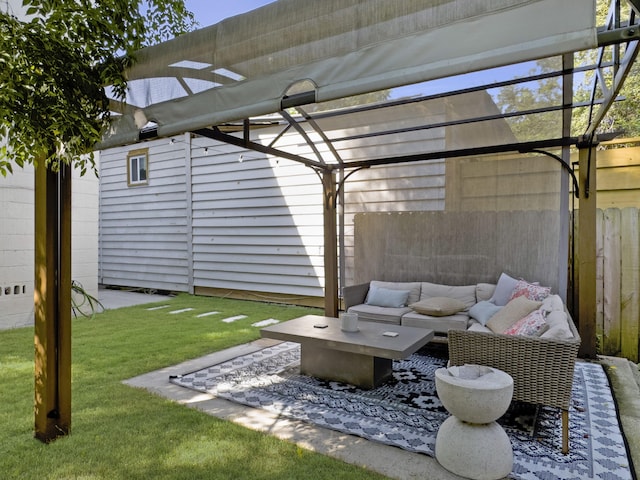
144,229
257,224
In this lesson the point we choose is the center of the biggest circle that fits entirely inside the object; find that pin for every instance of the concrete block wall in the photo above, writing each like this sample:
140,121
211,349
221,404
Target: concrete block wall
16,248
17,242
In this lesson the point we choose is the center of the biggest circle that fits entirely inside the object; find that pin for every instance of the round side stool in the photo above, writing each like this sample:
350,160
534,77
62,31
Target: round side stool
471,443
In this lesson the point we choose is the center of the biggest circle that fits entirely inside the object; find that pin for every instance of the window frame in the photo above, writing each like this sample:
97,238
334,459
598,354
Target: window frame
136,155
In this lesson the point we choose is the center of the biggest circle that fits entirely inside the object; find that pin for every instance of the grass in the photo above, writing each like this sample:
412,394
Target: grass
120,432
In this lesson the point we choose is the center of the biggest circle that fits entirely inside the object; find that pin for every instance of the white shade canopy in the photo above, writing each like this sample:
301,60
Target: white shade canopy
244,66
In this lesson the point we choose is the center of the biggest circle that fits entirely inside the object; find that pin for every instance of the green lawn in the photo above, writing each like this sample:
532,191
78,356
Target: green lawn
120,432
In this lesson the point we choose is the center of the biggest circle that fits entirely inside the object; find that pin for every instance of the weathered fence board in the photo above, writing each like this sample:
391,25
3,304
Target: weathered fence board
629,283
611,280
617,281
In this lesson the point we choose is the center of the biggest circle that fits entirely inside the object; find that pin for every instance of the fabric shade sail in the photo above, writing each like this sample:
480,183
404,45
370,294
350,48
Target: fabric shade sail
244,66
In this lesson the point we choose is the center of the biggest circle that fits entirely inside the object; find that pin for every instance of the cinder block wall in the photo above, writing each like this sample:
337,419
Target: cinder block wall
17,242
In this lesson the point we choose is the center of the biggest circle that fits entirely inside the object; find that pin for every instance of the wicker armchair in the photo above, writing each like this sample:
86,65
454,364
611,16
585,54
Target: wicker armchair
542,369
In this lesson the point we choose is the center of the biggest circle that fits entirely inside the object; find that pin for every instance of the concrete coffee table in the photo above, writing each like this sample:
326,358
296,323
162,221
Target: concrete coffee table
363,358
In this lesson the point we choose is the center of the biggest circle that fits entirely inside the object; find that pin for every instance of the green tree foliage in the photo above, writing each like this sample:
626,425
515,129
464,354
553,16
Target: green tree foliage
623,114
621,117
529,96
55,63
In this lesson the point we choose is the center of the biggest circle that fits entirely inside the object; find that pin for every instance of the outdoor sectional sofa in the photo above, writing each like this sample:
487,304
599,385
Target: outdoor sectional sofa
539,354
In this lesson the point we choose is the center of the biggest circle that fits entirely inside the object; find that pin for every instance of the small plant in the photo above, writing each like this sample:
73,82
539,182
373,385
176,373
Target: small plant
83,302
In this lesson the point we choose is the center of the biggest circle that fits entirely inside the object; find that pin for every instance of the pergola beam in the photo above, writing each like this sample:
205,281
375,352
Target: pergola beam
215,134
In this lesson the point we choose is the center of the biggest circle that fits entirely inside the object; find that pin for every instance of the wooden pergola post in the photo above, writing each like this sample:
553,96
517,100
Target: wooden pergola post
586,292
52,302
330,244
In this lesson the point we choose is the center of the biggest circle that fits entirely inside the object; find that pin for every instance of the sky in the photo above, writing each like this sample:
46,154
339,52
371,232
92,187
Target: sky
208,12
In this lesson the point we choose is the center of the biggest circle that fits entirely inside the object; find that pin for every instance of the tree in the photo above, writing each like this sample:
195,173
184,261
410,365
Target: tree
620,117
512,99
54,66
53,109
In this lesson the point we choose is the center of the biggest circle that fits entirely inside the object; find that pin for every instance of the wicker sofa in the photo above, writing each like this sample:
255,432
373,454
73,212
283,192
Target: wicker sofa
542,368
541,365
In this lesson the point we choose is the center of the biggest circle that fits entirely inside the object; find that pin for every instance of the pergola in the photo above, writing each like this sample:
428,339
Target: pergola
289,62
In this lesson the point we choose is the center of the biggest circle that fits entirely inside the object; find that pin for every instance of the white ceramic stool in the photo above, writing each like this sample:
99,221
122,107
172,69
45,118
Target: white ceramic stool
470,443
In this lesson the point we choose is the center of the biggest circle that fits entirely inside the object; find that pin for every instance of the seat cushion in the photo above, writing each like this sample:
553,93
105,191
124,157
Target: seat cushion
459,321
373,313
464,293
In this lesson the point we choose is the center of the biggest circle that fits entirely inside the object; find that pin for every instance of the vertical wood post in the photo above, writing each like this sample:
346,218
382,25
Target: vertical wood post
330,244
587,250
52,302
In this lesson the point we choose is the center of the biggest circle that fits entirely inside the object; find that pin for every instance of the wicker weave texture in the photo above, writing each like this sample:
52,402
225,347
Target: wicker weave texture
542,369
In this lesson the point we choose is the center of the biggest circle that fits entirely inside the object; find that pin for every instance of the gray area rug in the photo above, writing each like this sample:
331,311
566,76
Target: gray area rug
406,411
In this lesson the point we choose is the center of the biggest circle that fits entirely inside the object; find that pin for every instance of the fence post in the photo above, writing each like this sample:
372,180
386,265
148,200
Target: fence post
587,250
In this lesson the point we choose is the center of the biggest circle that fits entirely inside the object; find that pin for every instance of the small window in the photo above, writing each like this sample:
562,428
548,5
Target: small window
137,171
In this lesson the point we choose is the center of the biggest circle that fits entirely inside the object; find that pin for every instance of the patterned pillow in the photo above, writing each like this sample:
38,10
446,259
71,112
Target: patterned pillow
530,290
533,325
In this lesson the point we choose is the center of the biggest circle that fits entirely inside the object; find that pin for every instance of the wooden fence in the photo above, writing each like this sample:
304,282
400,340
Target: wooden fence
618,282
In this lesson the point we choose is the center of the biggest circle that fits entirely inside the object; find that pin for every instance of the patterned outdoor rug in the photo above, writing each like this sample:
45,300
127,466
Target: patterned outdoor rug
407,413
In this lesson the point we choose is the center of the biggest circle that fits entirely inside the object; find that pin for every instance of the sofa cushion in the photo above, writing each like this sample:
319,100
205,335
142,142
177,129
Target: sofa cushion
553,303
413,287
483,311
533,325
438,306
504,288
459,321
513,311
372,313
387,297
530,290
484,291
464,293
558,326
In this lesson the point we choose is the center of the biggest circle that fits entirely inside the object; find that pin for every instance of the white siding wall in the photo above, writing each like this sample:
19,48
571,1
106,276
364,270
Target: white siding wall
257,224
254,225
144,229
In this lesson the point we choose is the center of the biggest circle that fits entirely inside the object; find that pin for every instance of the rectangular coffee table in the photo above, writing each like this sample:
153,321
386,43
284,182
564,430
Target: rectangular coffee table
363,358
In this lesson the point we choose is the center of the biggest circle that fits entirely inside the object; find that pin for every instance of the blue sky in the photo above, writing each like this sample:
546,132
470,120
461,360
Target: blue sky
208,12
